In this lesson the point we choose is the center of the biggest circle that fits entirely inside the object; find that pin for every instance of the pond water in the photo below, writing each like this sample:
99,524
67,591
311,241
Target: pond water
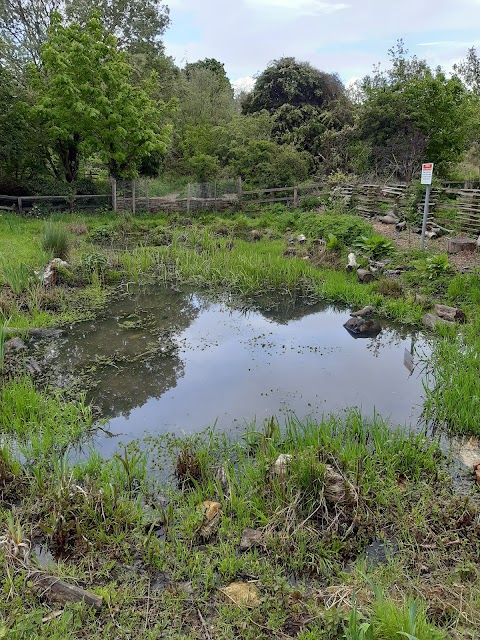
176,361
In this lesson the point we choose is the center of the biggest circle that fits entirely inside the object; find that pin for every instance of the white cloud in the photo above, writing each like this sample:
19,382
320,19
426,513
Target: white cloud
300,7
243,84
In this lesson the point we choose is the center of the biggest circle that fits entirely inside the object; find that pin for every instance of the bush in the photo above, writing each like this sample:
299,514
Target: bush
437,265
56,240
346,228
310,203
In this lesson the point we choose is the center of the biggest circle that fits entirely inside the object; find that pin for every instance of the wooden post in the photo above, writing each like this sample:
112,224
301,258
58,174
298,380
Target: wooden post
188,197
239,189
114,193
295,197
147,194
134,206
19,205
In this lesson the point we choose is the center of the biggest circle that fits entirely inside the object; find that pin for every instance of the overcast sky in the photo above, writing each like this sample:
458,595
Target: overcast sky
344,36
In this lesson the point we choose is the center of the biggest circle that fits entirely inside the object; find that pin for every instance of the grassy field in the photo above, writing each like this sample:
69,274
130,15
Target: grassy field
359,530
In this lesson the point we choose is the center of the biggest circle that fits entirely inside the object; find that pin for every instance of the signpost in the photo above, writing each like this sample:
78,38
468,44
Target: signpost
427,173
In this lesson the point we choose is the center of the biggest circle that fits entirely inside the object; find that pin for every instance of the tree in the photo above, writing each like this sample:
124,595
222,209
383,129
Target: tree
411,113
20,142
303,101
137,24
89,104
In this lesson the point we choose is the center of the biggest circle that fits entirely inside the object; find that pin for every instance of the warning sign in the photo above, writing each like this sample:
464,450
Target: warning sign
427,173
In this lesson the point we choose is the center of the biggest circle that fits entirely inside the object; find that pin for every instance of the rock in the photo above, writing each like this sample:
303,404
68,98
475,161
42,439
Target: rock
279,468
289,252
49,276
33,367
469,452
336,489
361,328
301,239
431,320
210,509
452,314
251,538
14,344
211,518
362,313
476,468
243,594
319,242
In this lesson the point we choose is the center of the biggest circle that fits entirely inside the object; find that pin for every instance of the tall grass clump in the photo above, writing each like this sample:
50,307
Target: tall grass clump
42,423
56,240
17,276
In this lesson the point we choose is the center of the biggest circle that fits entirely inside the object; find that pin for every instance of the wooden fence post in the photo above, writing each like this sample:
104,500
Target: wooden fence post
188,197
295,197
239,189
114,193
134,206
19,205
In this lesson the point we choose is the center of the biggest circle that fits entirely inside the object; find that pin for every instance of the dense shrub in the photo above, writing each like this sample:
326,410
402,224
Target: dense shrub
345,228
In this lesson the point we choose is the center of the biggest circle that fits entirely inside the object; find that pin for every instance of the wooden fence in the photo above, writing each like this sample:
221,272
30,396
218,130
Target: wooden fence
457,210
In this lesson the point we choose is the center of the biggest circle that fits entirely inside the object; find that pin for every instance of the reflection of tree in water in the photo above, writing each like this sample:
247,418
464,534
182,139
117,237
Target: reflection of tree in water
284,312
390,336
131,353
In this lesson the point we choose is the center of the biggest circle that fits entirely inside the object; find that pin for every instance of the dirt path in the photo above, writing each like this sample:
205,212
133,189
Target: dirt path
464,262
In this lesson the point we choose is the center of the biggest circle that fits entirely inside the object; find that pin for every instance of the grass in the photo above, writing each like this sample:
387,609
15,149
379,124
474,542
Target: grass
56,240
137,537
348,481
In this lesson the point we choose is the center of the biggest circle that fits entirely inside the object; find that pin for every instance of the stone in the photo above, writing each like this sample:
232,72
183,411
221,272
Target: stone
251,538
49,276
14,344
361,328
281,463
301,238
362,313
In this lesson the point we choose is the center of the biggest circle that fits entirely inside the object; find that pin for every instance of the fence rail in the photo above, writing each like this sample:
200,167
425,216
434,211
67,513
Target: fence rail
456,210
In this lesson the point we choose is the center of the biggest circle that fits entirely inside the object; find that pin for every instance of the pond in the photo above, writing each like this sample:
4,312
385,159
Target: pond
165,360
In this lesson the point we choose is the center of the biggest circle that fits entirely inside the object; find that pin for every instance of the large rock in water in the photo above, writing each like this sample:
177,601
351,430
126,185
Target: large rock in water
362,328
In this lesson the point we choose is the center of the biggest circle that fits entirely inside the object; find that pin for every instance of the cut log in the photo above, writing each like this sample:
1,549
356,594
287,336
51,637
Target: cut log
431,320
389,219
452,314
58,590
352,262
431,235
401,226
365,276
458,245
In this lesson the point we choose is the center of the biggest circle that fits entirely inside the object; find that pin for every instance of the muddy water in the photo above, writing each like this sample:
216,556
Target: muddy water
170,361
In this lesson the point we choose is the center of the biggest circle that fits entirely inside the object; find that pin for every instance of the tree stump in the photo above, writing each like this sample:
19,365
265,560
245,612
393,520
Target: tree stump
458,245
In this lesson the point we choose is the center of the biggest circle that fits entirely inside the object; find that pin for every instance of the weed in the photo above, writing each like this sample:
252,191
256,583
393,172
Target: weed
375,246
17,276
389,288
437,265
56,240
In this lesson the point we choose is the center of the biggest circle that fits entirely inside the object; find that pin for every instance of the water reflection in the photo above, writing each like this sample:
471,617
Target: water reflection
167,361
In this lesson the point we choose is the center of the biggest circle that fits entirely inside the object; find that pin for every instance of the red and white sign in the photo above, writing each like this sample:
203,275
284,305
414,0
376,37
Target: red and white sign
427,173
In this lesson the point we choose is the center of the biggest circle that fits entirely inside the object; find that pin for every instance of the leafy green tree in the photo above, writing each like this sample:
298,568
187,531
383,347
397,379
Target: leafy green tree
89,105
304,102
411,113
263,163
138,24
21,154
